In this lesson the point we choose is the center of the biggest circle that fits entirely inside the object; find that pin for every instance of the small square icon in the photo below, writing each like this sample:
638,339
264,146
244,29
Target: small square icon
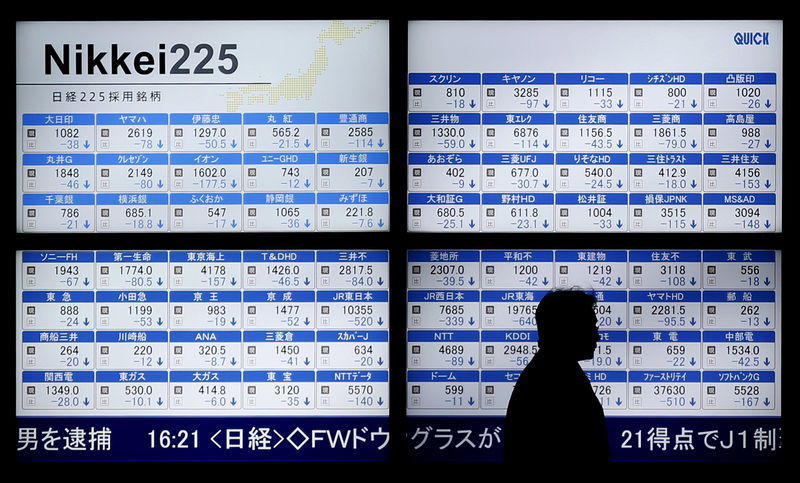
178,270
105,173
711,310
251,131
251,349
31,270
563,270
563,212
490,309
31,310
31,133
490,92
712,212
490,349
712,132
637,269
637,349
564,92
416,92
415,349
252,212
31,390
251,310
712,172
104,270
105,212
563,172
416,172
489,211
31,351
416,309
637,389
637,212
638,172
711,270
251,171
711,390
178,350
712,92
326,212
638,132
712,349
489,389
178,390
416,269
104,350
32,213
415,389
490,269
325,171
638,92
325,270
564,132
637,309
326,349
251,270
416,132
104,133
31,173
104,390
179,212
416,212
251,389
178,172
325,131
178,310
490,172
490,132
325,309
178,132
104,310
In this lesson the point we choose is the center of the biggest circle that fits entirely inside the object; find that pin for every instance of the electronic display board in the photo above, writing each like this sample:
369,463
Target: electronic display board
202,126
283,355
689,351
202,355
601,126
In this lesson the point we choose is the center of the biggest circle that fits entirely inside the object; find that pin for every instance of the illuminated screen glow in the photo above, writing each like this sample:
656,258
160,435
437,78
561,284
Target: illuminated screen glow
653,126
202,127
143,342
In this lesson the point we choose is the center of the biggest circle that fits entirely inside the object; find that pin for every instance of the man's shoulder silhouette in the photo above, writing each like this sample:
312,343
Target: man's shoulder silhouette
553,414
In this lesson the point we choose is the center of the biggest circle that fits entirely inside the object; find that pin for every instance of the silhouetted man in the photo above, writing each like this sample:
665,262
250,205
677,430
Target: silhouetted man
553,415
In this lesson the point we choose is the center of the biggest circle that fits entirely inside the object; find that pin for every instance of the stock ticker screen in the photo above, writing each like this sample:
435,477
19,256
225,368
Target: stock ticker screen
647,136
594,126
659,127
197,355
688,366
218,127
213,128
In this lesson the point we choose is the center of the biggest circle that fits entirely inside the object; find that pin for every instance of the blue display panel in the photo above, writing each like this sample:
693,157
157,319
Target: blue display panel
667,127
688,366
202,355
206,127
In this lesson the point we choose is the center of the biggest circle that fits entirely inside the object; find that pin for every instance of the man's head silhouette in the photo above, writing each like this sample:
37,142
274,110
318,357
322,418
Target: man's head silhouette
567,324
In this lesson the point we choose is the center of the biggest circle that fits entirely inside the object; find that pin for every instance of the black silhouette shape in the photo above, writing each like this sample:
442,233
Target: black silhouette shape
553,415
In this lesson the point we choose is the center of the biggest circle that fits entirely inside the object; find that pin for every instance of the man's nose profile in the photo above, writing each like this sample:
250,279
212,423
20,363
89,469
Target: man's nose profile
553,414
